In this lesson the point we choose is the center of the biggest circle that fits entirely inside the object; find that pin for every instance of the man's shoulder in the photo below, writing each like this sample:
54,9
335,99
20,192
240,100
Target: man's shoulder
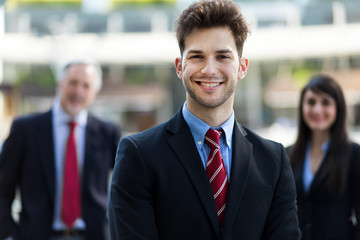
99,121
163,130
151,133
255,138
264,148
32,119
99,126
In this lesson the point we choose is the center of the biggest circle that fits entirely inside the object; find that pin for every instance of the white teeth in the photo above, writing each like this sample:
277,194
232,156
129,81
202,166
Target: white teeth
209,84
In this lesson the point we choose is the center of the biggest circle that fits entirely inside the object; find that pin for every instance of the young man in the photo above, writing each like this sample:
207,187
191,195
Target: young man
202,175
63,184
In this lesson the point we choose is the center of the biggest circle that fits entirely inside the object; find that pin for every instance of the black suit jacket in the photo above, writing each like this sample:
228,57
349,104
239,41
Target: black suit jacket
27,162
325,214
160,189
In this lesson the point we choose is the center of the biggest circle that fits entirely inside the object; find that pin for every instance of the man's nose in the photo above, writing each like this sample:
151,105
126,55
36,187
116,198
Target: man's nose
209,68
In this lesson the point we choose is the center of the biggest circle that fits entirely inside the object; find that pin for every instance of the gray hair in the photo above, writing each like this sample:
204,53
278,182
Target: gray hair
63,70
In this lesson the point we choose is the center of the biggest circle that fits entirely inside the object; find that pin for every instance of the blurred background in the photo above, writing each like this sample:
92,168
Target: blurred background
133,40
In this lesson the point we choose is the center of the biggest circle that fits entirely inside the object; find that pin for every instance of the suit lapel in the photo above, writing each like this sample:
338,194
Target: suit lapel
241,158
91,143
299,180
318,180
182,144
46,150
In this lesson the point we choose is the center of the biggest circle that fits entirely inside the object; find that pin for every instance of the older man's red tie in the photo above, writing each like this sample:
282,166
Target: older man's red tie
216,172
71,208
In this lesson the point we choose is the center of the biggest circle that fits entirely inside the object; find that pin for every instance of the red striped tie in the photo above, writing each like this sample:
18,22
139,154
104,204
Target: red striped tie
71,209
216,172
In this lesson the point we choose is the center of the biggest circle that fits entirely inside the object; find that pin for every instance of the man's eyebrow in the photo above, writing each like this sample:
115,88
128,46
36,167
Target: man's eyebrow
224,51
218,51
194,51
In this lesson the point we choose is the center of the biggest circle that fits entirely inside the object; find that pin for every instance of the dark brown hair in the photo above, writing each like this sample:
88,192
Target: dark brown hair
212,13
338,154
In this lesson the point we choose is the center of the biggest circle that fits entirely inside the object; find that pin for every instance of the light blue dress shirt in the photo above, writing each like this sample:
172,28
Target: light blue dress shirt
61,133
198,130
308,175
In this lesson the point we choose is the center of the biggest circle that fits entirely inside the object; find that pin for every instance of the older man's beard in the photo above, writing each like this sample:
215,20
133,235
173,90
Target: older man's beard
74,110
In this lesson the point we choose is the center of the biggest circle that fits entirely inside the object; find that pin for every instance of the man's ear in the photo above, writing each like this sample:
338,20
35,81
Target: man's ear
244,64
178,67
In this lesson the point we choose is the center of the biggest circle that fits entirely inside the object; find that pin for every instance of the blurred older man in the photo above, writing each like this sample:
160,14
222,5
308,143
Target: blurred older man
60,161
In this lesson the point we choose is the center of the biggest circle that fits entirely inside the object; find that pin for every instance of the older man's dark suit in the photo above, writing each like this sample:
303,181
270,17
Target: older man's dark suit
32,169
160,189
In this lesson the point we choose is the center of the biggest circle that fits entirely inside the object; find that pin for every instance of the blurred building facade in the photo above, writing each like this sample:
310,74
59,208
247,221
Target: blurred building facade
134,43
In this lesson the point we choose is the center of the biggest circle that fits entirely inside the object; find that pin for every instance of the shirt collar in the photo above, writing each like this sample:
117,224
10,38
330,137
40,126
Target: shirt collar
325,146
199,128
61,117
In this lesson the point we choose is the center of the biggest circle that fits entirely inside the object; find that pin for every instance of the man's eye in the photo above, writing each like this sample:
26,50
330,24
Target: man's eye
222,57
196,56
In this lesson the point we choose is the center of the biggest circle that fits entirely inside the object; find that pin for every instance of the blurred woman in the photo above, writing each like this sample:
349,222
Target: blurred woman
326,164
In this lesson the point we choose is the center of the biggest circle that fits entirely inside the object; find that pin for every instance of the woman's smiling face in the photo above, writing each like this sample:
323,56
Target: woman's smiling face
319,110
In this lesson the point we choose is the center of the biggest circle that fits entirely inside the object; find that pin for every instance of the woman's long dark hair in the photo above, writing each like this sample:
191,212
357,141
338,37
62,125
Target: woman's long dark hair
337,161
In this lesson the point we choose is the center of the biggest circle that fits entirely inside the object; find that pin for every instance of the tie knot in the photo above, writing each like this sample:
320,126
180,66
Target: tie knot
72,124
212,137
